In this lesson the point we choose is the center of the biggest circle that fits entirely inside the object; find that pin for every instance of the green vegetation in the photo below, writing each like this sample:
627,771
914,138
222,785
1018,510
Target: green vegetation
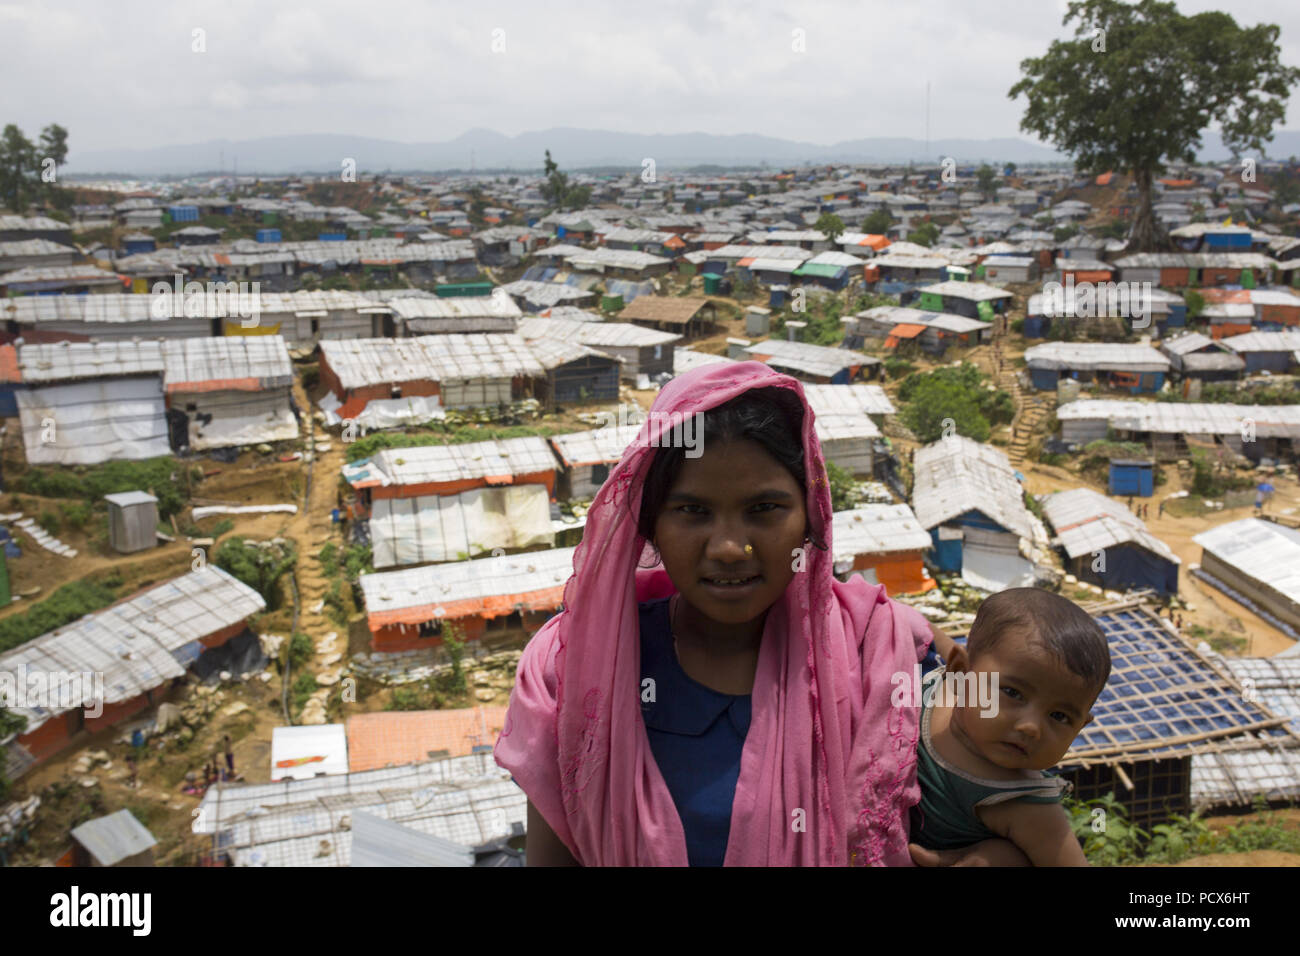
1209,483
557,190
926,234
171,483
1109,839
841,483
300,649
896,367
986,181
259,567
958,395
22,163
310,376
304,685
49,522
877,223
1139,83
1221,642
1195,303
73,600
830,225
76,515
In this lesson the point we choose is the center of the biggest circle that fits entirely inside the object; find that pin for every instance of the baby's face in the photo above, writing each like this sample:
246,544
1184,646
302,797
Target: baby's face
1041,706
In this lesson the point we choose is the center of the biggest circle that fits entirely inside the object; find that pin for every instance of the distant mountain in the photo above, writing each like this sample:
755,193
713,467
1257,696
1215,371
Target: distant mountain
571,148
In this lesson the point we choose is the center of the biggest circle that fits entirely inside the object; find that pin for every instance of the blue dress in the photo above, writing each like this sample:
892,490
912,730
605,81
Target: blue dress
696,735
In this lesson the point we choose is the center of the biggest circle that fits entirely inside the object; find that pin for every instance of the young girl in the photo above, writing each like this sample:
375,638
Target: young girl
729,703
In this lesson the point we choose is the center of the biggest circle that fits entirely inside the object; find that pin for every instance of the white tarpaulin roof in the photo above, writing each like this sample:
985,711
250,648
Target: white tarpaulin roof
1263,550
1185,418
423,464
453,527
132,644
856,399
955,475
1096,356
467,800
876,529
94,421
381,413
1086,521
300,746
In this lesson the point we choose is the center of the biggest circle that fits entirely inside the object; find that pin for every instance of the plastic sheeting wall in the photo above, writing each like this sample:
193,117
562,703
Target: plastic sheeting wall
451,527
119,419
238,418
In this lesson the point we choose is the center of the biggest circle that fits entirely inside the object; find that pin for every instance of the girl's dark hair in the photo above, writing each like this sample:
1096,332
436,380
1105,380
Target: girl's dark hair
772,417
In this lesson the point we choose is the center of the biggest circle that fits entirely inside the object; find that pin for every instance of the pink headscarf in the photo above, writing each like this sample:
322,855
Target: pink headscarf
828,770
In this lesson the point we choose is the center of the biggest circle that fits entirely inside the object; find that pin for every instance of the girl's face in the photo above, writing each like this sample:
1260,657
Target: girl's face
734,494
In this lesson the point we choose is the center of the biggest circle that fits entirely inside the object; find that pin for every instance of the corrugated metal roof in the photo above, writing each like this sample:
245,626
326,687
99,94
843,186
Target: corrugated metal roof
498,305
955,475
1263,550
1195,260
114,838
1086,522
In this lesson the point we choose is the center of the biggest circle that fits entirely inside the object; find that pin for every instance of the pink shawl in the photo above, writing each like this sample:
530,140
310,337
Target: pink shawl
828,769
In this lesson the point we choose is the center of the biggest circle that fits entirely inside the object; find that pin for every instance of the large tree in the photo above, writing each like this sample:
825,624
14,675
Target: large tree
1140,83
20,174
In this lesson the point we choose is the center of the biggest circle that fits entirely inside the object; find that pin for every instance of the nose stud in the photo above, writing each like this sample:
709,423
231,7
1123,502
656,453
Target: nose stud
749,549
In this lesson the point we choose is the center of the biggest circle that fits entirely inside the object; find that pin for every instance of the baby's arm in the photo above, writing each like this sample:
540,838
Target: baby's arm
1041,830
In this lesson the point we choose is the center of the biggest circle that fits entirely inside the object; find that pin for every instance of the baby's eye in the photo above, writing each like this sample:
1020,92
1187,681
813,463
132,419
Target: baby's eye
1061,717
1013,693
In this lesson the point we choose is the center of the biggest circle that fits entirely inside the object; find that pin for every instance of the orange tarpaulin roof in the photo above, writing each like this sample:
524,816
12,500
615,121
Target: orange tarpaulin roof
1179,182
876,242
745,263
1105,178
382,739
906,330
9,371
676,242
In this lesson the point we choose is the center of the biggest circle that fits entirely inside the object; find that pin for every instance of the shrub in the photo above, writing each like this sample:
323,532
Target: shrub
65,605
168,482
310,376
300,649
958,394
75,514
259,567
304,685
49,521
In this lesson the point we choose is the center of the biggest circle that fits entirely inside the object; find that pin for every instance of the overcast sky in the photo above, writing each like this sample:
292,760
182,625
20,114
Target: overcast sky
122,73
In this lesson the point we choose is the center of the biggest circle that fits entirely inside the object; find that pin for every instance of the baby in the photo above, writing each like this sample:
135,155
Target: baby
1040,661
